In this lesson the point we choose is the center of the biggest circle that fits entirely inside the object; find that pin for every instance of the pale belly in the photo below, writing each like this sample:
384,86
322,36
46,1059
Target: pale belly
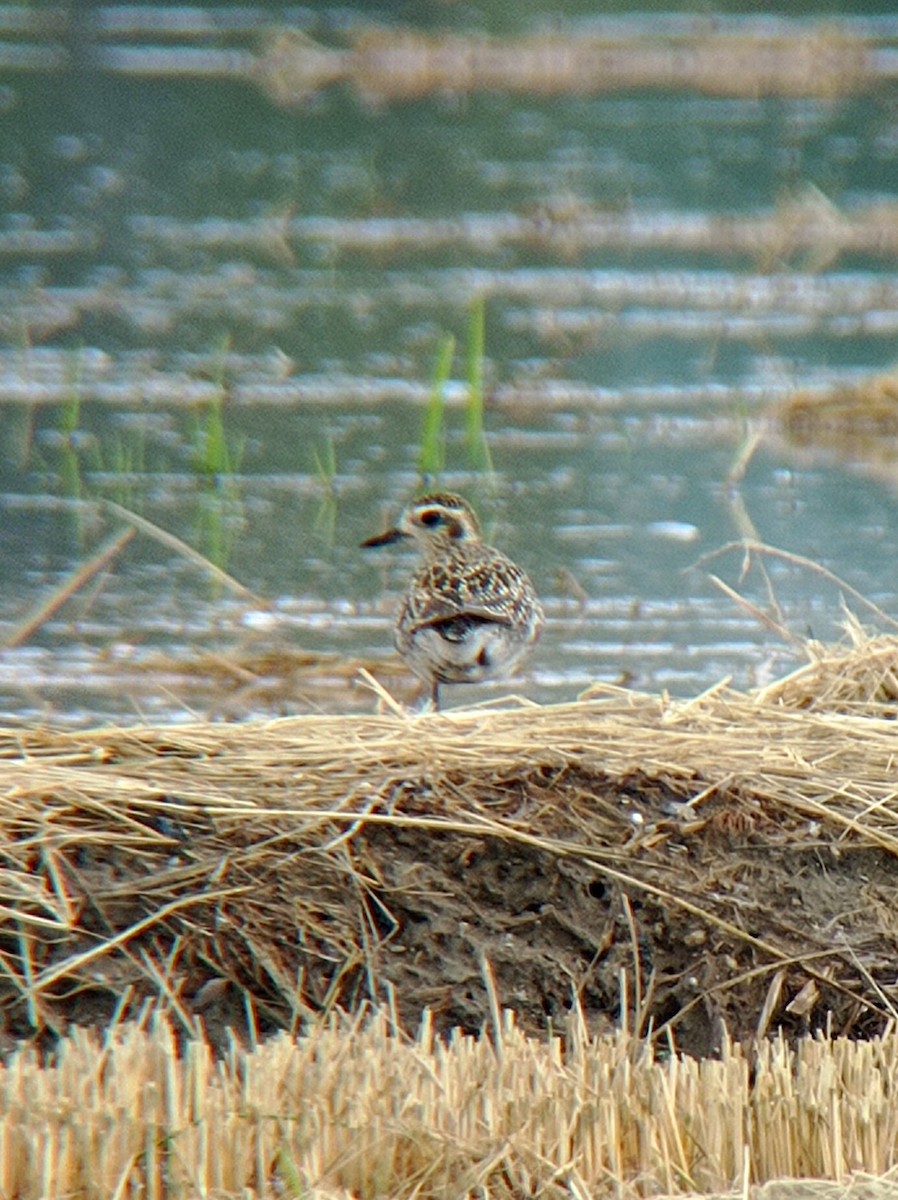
463,651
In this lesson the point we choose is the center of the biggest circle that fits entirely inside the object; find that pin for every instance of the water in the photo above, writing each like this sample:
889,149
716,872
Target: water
185,265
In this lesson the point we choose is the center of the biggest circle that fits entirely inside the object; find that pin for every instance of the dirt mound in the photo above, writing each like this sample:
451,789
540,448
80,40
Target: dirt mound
681,867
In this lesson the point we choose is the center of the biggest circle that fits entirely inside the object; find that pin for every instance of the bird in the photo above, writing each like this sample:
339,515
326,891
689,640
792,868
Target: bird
469,613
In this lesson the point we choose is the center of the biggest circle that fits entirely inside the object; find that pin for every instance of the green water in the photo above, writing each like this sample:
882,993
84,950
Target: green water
225,315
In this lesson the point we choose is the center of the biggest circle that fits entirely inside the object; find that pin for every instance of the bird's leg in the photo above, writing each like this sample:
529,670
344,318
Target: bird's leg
435,696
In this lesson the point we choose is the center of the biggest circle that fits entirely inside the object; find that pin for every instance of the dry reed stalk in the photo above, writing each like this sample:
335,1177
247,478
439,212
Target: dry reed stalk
855,422
399,64
97,563
850,411
801,225
352,1108
172,542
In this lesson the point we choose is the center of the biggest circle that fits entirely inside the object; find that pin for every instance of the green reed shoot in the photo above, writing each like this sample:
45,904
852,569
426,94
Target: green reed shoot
70,415
289,1174
71,481
219,521
325,523
432,455
69,420
475,435
215,453
126,458
326,463
22,437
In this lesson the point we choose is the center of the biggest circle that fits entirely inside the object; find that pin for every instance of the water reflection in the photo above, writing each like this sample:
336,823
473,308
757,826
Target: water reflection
223,317
611,530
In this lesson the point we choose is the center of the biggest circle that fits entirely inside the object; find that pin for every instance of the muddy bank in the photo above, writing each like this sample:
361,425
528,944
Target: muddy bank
731,862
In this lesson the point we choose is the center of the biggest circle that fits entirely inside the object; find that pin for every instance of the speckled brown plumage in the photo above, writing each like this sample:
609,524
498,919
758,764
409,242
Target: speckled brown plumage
469,613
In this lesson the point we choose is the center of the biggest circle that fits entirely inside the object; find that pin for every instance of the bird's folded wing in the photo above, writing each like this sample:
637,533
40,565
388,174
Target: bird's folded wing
441,615
480,593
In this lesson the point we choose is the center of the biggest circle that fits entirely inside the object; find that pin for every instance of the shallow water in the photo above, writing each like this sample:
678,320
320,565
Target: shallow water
658,271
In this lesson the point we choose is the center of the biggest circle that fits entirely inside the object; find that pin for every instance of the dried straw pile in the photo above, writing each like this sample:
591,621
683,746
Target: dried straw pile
686,865
389,65
855,422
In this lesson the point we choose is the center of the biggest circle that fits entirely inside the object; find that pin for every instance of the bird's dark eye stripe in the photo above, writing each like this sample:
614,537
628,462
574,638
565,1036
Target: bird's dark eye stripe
431,518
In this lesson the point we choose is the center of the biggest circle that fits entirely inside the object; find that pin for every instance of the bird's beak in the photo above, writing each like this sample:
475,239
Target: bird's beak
383,539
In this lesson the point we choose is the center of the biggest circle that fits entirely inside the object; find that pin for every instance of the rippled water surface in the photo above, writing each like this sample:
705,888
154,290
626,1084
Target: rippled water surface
223,313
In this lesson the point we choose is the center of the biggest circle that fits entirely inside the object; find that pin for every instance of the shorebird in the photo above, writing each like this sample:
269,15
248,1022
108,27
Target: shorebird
469,612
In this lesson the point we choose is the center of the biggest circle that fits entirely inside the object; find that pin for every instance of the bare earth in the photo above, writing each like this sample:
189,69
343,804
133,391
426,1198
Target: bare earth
727,863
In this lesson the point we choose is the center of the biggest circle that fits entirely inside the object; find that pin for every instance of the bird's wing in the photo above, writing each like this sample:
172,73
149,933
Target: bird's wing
472,614
484,591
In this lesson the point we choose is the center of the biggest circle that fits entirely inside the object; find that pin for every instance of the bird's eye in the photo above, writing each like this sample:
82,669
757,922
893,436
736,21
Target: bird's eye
431,518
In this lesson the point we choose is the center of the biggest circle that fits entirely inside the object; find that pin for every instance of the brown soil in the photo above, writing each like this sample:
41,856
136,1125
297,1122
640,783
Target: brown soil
560,932
458,863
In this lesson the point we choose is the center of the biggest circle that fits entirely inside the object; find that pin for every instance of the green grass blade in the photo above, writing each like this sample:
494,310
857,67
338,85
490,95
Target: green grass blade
432,455
326,463
475,435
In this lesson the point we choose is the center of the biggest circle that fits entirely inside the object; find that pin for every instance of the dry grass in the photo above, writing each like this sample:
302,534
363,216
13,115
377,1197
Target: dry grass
855,423
357,1109
282,867
161,859
386,65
